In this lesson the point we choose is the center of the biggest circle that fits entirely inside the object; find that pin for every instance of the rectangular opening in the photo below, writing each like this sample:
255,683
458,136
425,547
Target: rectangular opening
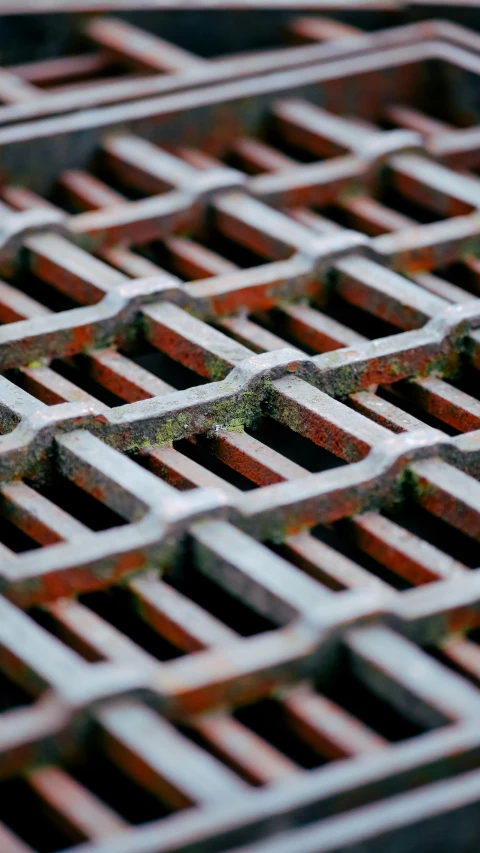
12,695
165,368
294,446
337,537
268,720
229,609
98,773
437,532
79,504
347,690
22,811
117,606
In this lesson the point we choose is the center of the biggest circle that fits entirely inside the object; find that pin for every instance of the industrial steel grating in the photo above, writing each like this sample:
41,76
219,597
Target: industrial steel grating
87,63
81,63
239,464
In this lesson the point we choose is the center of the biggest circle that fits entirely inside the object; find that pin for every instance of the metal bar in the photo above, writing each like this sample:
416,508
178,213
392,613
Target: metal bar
239,511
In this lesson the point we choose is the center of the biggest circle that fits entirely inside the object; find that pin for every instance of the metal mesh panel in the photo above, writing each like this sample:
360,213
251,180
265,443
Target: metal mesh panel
105,60
239,466
54,65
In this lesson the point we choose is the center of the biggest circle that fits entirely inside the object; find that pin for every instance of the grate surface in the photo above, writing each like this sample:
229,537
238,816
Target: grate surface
86,62
80,63
239,467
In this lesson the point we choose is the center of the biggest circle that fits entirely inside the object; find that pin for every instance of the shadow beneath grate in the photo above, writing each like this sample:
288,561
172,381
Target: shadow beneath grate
346,689
100,775
22,811
295,447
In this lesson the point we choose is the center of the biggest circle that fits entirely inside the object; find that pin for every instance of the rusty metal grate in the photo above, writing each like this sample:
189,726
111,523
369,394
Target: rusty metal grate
239,465
80,64
102,60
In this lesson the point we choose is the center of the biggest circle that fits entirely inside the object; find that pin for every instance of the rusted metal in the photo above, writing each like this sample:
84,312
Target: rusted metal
120,62
239,463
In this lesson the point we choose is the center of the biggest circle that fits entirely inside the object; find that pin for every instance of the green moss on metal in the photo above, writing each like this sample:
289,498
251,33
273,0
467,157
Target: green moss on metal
398,368
235,425
470,247
232,414
168,432
215,367
343,381
416,487
289,415
352,190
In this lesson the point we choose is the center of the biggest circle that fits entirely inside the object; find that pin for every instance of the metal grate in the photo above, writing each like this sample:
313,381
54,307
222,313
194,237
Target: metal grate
80,64
108,60
239,466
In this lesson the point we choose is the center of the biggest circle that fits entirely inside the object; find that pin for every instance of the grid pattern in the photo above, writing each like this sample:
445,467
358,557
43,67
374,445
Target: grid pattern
110,60
239,470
